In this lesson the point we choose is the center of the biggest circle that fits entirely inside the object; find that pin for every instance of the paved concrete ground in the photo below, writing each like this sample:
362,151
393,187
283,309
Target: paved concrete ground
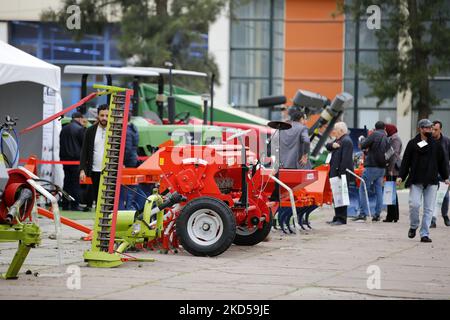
325,263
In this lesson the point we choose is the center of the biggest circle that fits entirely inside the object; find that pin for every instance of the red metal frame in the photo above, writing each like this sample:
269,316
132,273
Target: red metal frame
61,113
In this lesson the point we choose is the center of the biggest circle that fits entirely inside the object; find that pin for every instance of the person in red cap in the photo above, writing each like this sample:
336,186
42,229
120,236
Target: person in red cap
393,168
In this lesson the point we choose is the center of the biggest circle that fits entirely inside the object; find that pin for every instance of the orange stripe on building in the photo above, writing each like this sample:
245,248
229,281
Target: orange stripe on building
314,47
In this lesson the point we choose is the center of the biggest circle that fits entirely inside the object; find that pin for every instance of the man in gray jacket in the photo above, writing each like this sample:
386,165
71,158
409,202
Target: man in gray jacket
445,142
294,143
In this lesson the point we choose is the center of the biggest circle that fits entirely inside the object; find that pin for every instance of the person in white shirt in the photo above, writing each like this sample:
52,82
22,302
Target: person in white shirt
92,154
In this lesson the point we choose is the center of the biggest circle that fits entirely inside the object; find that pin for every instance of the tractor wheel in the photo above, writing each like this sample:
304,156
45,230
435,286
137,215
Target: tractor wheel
206,227
250,237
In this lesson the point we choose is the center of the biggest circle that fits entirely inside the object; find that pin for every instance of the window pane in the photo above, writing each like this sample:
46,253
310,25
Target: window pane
278,9
277,87
278,34
253,9
247,92
441,89
247,63
75,51
24,30
367,58
369,117
367,37
363,100
250,34
278,63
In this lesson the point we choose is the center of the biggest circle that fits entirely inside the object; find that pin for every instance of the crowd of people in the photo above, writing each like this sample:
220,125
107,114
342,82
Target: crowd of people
86,146
424,163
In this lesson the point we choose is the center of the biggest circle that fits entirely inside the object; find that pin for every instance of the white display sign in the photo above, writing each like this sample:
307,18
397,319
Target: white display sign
49,103
339,188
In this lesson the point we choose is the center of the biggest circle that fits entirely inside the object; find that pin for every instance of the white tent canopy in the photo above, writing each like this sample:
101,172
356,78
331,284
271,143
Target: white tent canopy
17,67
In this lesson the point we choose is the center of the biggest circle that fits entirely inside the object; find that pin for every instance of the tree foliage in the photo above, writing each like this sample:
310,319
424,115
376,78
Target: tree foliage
152,31
425,26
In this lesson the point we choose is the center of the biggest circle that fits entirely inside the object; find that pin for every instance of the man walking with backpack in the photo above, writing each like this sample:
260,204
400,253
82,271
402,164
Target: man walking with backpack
423,161
376,145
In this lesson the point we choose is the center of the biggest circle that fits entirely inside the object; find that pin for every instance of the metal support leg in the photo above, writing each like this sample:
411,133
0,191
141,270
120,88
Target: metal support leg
365,190
291,196
17,262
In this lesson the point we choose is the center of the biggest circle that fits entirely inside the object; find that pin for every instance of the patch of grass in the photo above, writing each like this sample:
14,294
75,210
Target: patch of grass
78,215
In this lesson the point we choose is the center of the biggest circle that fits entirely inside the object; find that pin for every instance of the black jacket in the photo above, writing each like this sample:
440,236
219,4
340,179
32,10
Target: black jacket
342,157
376,144
445,142
70,141
87,150
423,165
130,159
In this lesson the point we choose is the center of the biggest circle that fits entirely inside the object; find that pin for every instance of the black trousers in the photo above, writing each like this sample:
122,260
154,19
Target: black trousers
392,210
92,192
71,186
340,214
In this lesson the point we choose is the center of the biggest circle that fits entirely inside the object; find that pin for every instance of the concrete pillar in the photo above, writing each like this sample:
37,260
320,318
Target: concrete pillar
404,116
404,99
219,48
4,31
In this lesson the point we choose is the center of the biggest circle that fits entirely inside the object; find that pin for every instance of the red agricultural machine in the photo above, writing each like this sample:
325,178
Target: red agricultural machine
209,196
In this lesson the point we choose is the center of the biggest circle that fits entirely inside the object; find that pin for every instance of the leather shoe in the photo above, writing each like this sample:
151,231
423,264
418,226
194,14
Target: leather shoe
425,239
337,223
375,219
447,221
359,218
433,224
411,233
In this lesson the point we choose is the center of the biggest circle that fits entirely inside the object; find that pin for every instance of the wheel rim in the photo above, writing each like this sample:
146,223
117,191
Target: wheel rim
245,231
205,227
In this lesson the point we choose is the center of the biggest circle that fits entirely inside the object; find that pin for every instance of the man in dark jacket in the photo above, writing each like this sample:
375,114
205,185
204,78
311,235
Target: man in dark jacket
374,169
445,142
341,159
71,140
92,153
423,161
130,160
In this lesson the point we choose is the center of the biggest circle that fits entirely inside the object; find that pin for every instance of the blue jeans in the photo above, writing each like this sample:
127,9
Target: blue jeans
126,198
372,176
416,193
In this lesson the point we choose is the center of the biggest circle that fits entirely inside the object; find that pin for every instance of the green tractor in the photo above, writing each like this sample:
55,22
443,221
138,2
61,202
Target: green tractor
166,112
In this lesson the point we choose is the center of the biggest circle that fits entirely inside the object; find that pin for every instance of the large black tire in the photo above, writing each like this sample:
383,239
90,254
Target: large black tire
206,227
255,237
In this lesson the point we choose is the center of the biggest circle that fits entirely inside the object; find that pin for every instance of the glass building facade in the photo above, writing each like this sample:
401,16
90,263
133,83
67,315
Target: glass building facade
49,42
256,53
